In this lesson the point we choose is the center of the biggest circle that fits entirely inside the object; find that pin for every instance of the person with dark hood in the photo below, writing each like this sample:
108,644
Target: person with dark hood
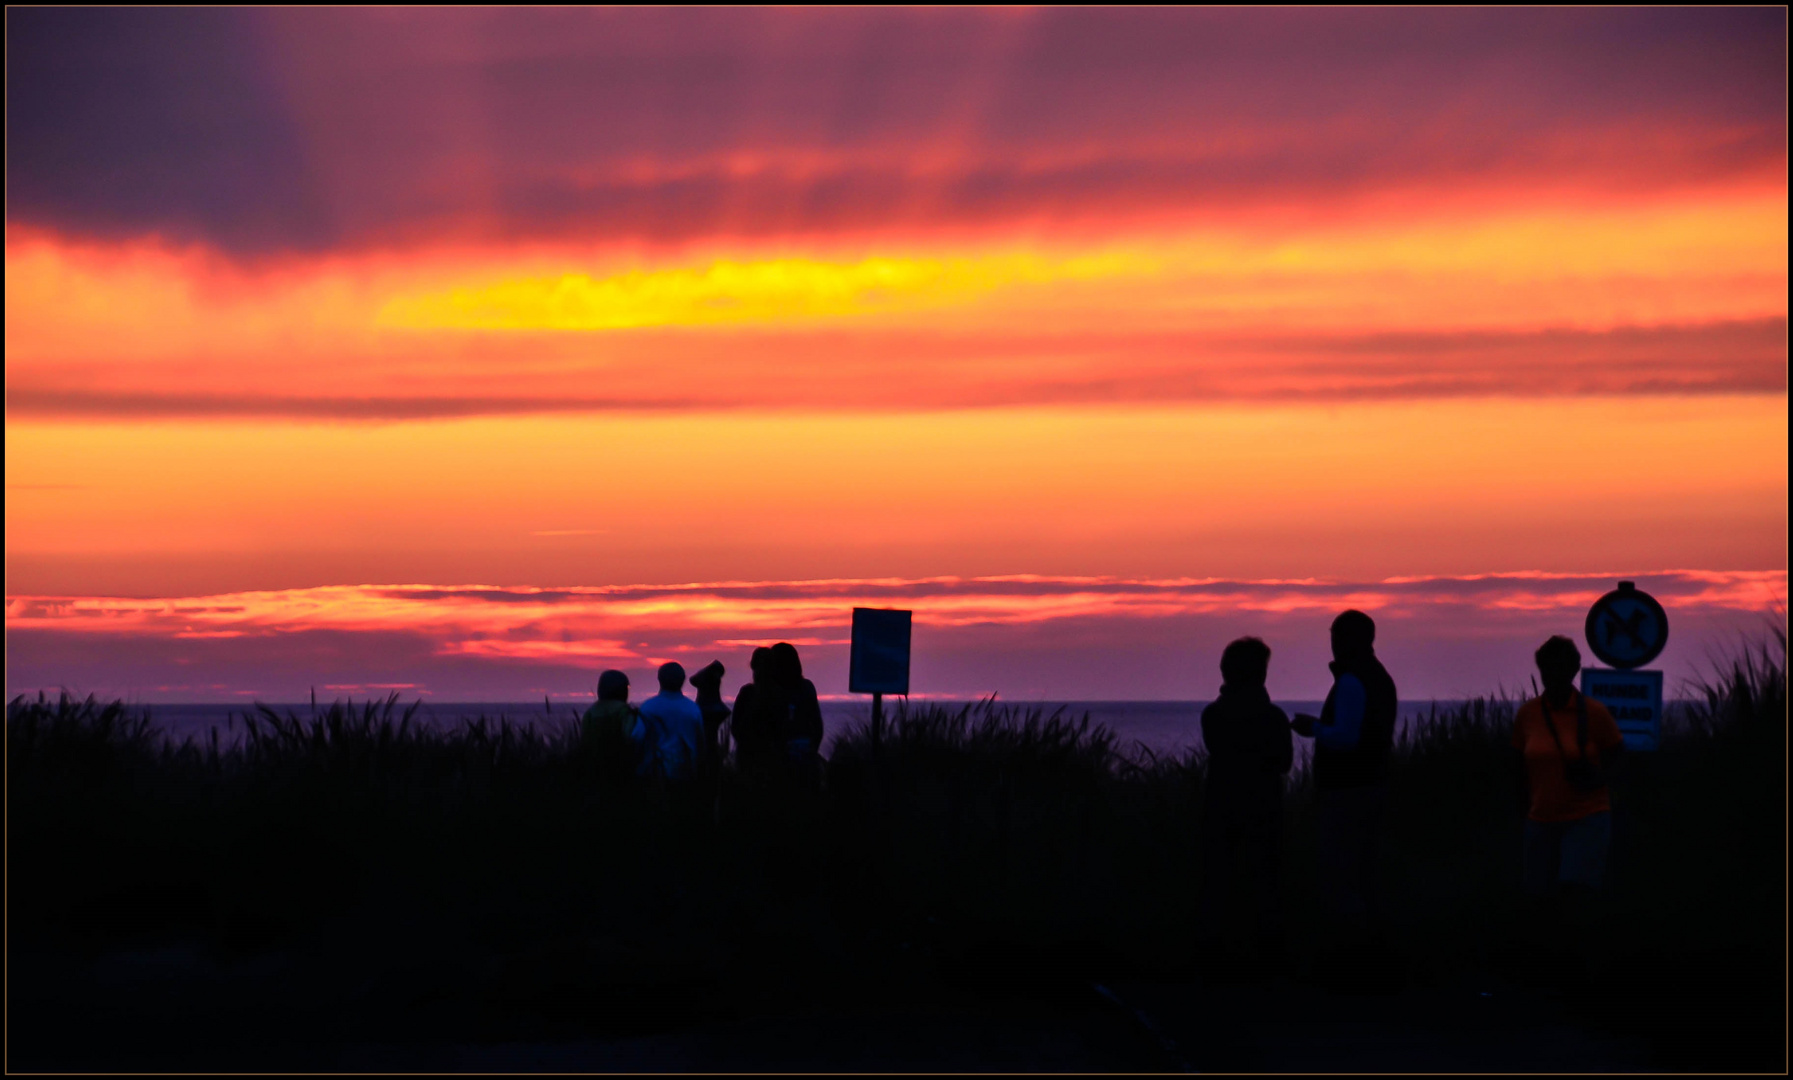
611,729
1352,738
1249,753
707,681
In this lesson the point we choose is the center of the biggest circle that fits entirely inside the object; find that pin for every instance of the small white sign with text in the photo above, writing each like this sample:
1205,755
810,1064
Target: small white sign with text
1635,700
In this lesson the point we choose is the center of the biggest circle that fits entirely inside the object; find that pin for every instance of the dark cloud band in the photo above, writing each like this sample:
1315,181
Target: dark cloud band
277,130
1742,357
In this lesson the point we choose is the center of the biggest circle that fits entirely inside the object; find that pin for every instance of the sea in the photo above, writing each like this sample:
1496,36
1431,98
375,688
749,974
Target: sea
1160,727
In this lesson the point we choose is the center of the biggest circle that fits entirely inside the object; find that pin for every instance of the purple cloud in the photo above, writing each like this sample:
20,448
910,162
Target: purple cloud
262,131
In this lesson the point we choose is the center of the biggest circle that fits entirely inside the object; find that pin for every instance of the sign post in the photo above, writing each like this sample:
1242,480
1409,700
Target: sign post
880,660
1627,628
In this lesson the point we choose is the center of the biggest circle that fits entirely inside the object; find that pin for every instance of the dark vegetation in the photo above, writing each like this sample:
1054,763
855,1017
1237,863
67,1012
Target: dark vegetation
354,878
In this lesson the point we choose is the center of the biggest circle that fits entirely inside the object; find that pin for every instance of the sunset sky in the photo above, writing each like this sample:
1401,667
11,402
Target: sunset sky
470,352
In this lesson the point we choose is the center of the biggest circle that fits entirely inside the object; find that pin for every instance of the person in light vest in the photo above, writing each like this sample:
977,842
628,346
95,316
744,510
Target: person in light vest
610,732
1352,738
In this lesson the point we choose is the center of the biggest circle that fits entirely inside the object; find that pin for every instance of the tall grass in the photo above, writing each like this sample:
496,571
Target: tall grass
73,733
1748,686
992,836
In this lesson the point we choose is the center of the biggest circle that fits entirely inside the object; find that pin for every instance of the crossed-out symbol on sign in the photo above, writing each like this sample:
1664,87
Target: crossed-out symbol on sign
1631,627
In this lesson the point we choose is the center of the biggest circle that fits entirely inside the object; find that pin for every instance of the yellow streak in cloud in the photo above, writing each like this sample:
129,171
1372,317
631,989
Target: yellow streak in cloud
101,308
729,292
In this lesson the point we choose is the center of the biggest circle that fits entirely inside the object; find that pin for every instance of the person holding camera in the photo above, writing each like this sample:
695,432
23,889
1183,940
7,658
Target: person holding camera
1569,744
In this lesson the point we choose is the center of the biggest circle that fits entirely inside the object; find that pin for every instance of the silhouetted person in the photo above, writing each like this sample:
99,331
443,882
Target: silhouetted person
1352,738
1249,753
778,719
674,729
802,734
761,709
707,682
1568,744
611,730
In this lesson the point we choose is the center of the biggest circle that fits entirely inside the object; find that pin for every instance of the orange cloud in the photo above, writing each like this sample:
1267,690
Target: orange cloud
1193,311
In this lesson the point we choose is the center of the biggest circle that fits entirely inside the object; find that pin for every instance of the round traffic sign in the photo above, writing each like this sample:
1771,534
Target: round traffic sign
1627,628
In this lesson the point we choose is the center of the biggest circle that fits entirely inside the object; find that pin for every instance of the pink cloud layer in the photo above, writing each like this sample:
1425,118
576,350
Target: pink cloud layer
1024,635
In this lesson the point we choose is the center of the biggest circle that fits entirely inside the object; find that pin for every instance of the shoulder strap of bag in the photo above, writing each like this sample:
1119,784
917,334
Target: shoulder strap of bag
1550,726
1581,724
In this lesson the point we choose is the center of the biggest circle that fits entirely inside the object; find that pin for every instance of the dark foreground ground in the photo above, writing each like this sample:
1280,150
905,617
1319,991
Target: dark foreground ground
991,892
175,1009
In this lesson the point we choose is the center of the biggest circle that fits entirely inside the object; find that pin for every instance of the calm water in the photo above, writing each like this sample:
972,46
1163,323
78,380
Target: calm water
1161,726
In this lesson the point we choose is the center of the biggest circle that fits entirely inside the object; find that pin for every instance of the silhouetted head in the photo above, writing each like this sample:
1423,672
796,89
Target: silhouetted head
1353,635
1245,663
672,676
1558,662
787,667
763,668
708,679
613,685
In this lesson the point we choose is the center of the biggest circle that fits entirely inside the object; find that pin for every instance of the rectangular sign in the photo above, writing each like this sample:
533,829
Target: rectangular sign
1635,700
880,652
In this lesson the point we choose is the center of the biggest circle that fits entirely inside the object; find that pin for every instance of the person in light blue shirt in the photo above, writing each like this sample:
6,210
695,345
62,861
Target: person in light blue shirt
672,728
